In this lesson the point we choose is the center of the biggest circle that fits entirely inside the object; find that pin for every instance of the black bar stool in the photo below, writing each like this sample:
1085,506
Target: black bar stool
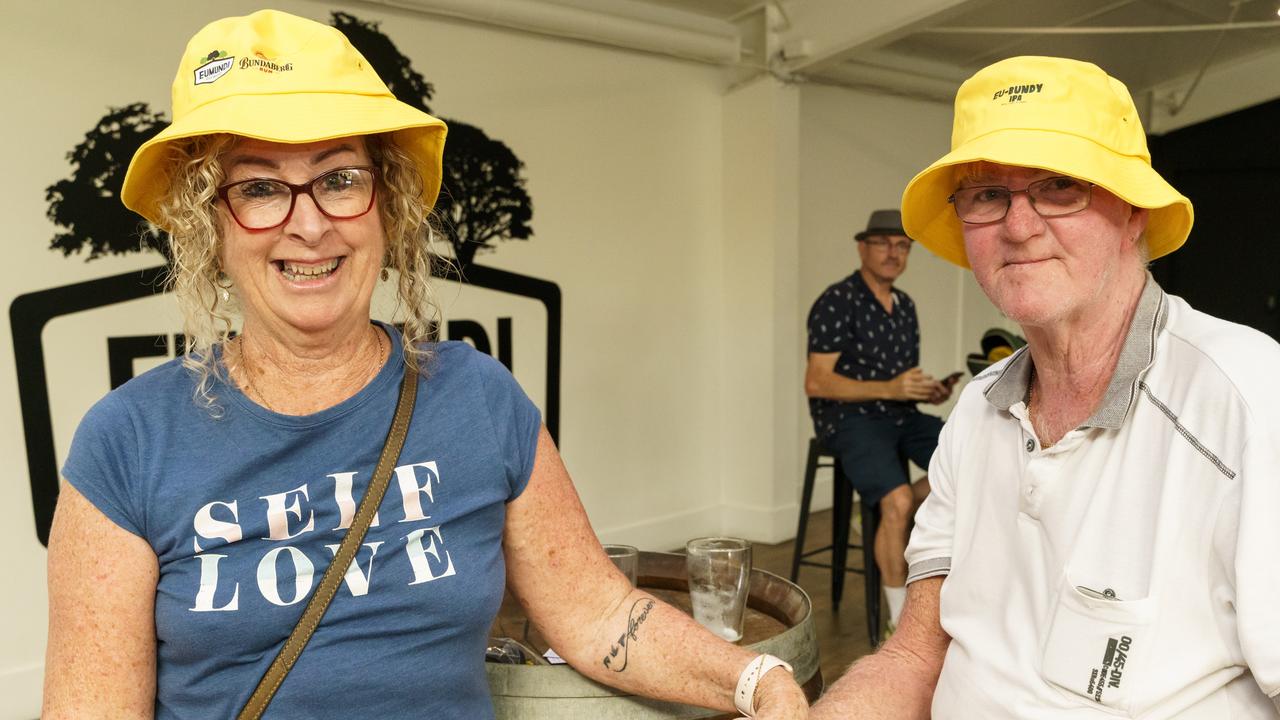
842,511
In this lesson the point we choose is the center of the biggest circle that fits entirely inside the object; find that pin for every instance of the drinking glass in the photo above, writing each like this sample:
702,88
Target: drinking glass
719,579
626,558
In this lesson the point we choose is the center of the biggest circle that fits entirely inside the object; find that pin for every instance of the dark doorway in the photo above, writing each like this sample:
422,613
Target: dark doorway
1230,168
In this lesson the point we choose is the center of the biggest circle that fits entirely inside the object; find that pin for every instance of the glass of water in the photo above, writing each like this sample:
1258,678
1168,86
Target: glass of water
627,559
719,579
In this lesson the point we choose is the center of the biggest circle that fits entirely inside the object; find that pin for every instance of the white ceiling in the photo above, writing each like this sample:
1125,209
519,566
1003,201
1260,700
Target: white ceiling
1151,52
720,9
1140,58
925,48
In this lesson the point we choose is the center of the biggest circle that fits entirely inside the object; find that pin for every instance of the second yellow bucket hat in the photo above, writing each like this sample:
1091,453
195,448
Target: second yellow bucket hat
1056,114
281,78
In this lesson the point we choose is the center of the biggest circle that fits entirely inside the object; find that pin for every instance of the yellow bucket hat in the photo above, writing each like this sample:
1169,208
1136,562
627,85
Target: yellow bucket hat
1055,114
281,78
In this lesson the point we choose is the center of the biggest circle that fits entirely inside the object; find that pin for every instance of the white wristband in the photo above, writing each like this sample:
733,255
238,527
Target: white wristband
744,697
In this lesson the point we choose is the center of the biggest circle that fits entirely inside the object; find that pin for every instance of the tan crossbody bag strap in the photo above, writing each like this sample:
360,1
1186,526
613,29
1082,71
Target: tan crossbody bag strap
342,559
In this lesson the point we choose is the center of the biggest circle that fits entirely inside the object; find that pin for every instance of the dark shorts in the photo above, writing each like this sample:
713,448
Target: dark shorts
871,449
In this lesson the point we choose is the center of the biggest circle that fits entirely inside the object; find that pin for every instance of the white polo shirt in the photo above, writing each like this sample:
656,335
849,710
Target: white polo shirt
1132,569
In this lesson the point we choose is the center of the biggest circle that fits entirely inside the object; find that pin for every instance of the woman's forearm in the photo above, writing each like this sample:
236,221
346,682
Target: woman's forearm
645,646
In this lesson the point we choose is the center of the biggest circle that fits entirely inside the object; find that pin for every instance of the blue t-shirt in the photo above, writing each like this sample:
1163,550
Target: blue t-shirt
245,511
873,345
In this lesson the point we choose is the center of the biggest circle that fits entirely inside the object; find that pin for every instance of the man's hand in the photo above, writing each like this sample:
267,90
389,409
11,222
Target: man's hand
898,680
778,697
914,384
943,391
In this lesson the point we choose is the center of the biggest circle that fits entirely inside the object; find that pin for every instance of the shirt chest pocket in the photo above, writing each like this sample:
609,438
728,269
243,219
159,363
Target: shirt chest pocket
1095,648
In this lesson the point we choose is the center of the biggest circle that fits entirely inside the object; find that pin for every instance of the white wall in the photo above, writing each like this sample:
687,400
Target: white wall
761,255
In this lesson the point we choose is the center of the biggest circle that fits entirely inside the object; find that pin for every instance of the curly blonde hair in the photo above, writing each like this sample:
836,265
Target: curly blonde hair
194,166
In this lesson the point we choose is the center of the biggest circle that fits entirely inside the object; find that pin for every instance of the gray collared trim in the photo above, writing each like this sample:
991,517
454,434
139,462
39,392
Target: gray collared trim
1136,355
1010,387
985,374
928,568
1184,432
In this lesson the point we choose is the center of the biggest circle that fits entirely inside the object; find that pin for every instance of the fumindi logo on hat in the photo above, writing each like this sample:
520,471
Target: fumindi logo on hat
216,64
1055,114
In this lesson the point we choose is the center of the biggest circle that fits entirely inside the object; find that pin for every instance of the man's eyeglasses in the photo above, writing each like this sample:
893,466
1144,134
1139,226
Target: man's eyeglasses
902,246
265,203
1051,197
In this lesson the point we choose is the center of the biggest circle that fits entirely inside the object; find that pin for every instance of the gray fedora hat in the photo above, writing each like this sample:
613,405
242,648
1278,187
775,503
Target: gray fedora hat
883,222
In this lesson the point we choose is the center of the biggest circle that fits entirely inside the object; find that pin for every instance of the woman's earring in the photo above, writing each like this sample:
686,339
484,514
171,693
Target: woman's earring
224,284
386,274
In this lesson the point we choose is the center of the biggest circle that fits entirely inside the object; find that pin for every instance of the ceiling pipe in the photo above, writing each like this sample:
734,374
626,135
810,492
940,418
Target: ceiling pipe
563,21
1100,30
871,78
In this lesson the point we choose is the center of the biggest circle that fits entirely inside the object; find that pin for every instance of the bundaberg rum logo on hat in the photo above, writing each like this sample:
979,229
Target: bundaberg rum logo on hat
216,64
265,64
1016,93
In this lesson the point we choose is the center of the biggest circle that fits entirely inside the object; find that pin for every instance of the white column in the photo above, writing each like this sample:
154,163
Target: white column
762,346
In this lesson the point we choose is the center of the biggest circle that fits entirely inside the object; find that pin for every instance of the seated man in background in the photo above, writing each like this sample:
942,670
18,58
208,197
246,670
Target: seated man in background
863,384
1103,507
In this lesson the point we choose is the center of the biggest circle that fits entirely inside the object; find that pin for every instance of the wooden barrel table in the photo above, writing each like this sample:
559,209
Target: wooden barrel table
779,621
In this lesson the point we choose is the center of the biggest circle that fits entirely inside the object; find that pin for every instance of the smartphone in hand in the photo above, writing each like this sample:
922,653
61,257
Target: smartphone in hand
952,379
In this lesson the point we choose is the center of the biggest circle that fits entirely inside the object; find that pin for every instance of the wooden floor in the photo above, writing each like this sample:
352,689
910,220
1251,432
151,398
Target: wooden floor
842,635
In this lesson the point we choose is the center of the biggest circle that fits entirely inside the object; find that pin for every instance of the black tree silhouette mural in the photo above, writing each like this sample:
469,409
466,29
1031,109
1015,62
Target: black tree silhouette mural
407,84
482,201
87,205
482,198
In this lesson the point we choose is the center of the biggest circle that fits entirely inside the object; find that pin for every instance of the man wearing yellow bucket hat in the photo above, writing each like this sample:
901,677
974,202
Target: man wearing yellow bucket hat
1100,540
203,496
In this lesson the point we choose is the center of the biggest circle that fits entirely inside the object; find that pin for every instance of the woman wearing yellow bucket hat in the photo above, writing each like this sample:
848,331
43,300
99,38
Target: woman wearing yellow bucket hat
204,497
1100,540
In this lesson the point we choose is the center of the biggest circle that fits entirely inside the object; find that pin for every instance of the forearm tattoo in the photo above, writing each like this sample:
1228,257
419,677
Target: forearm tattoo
634,620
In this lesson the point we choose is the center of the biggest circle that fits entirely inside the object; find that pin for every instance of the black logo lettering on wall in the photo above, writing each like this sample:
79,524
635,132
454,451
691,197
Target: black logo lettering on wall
483,201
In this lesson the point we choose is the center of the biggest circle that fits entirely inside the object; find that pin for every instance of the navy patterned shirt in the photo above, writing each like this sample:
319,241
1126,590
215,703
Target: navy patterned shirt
873,345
